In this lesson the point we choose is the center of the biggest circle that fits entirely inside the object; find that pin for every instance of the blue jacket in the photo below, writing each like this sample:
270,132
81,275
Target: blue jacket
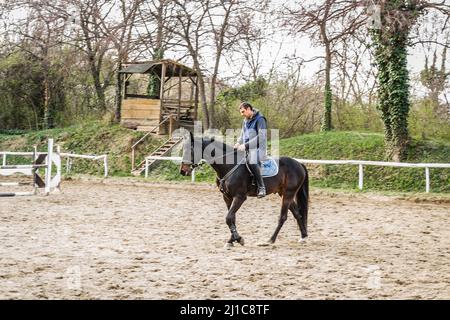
254,134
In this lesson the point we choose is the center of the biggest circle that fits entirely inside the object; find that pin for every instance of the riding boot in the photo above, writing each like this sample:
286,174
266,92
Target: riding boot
259,180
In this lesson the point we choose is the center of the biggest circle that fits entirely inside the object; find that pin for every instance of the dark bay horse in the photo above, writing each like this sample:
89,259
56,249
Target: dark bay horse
235,182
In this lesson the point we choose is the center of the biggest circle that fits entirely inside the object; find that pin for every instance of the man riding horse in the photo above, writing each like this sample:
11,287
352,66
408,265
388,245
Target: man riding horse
253,140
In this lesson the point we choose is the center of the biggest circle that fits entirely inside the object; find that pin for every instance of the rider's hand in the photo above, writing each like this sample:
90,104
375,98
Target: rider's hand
241,147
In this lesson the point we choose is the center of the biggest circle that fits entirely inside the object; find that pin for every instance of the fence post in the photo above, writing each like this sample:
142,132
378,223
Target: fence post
105,163
4,159
361,177
132,159
193,175
68,165
35,155
146,167
48,173
427,179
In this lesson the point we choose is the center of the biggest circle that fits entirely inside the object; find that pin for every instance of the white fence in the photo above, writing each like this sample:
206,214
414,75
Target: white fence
359,163
362,163
69,156
50,182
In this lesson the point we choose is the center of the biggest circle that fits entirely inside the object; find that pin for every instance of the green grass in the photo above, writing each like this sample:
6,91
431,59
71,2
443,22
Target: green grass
100,138
93,137
368,146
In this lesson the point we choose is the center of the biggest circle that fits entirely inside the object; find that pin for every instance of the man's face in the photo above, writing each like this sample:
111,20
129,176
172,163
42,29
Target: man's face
247,113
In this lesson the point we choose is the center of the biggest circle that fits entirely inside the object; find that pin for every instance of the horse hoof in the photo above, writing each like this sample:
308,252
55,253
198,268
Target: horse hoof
302,240
228,245
241,241
271,241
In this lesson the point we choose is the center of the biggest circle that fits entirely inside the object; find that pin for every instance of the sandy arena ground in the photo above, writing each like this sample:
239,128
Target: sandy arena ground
164,241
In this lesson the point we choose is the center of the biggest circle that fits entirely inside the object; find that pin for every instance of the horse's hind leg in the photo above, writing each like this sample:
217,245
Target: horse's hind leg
301,225
286,201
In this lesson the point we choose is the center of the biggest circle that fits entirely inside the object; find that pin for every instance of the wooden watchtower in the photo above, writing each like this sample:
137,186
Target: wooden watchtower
174,104
157,97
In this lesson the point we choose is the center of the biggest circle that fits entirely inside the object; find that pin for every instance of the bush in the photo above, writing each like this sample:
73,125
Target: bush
426,121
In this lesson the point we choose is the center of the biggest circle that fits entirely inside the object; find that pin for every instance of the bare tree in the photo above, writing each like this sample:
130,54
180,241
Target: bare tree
191,19
231,28
327,23
391,39
211,29
256,30
95,44
435,43
41,31
120,32
154,35
153,28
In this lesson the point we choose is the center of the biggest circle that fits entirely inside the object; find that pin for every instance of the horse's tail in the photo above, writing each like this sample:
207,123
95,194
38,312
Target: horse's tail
303,199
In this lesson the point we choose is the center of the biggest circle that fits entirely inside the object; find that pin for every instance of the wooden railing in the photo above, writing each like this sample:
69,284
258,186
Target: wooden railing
169,118
179,107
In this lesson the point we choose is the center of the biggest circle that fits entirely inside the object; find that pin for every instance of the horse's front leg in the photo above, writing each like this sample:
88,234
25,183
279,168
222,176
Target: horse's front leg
231,220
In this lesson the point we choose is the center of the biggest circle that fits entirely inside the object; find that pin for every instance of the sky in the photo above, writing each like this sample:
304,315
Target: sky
303,47
282,45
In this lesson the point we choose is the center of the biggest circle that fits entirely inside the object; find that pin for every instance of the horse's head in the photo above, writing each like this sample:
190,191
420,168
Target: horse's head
188,162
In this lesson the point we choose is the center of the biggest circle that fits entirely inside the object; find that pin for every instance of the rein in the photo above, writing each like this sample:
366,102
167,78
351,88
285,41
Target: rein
229,174
201,163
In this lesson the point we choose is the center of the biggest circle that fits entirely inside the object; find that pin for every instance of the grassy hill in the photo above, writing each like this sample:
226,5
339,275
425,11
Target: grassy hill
369,146
100,138
91,138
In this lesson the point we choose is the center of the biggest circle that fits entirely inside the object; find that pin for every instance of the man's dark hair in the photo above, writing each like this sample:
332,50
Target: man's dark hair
245,105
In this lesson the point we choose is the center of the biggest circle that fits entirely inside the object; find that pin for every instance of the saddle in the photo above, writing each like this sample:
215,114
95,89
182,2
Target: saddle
269,168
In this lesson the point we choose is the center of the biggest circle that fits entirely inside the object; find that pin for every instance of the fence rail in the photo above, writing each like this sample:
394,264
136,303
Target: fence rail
359,163
69,157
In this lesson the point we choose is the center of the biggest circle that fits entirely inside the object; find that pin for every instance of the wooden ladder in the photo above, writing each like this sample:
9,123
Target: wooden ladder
164,149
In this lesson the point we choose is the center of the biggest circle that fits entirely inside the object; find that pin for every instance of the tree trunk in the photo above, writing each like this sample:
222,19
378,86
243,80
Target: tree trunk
326,121
154,83
399,97
118,102
48,117
203,101
382,55
201,90
212,101
393,90
100,92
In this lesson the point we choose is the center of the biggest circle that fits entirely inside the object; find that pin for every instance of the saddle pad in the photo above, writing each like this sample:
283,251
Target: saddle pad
269,168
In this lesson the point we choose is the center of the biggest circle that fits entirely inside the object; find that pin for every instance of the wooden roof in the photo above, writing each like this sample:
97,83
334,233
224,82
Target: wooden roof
173,68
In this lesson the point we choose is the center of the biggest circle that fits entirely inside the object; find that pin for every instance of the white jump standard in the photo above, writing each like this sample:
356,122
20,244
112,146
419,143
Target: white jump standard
42,161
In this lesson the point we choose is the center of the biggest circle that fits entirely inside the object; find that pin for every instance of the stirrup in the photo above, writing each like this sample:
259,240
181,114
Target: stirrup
261,192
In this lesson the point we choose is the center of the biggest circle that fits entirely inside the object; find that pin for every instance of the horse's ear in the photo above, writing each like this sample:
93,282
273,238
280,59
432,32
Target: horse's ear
213,139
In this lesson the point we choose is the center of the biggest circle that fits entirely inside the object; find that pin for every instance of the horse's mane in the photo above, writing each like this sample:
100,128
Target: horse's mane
217,145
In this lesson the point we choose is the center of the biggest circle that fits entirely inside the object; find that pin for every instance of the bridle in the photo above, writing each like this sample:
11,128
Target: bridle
203,161
192,164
